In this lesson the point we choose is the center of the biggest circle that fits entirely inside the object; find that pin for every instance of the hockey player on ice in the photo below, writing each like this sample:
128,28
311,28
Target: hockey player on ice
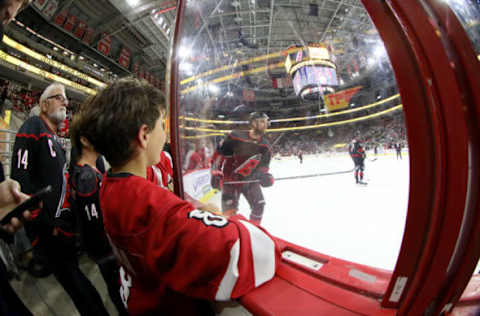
358,155
300,156
240,166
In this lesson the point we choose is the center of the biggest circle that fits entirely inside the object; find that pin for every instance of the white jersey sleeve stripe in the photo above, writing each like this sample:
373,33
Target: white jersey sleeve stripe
230,278
158,175
263,254
167,154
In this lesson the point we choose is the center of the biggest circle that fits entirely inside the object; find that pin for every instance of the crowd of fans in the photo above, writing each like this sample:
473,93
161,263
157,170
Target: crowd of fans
381,132
22,100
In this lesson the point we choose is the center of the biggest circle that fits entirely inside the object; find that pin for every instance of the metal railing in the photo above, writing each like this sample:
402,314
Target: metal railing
7,137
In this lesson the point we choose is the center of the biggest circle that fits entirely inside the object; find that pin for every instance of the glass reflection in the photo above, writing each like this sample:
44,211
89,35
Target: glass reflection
468,13
323,80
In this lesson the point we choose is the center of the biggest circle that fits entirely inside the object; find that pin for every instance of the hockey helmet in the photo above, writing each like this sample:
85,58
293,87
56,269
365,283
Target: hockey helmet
259,115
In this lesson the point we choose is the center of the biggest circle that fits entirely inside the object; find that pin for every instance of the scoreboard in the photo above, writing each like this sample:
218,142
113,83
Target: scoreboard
312,70
313,76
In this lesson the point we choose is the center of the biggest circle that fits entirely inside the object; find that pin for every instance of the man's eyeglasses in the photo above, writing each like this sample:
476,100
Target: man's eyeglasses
58,97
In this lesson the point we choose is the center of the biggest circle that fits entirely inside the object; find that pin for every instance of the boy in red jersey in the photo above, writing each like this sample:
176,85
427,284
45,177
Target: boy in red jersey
174,258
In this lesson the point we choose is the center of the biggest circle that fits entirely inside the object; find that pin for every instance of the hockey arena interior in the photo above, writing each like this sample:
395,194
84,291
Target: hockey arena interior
321,157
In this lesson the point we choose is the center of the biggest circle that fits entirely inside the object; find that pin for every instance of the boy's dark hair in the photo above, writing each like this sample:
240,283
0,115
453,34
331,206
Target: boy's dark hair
111,119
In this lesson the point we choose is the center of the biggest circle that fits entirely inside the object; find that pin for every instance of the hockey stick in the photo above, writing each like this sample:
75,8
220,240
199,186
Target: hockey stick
277,139
292,177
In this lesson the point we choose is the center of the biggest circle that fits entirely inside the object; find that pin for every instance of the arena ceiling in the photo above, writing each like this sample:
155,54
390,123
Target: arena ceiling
221,33
229,44
240,28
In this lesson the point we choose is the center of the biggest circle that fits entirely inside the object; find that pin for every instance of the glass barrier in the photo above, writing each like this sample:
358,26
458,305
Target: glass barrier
292,112
468,13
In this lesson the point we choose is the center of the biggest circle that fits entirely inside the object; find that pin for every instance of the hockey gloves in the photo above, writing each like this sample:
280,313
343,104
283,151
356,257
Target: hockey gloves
217,179
266,180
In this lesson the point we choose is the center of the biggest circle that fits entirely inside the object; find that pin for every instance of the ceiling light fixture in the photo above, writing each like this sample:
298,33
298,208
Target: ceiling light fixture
184,52
213,88
133,3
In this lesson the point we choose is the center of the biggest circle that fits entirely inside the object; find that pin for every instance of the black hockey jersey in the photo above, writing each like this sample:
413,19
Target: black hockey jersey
38,160
244,156
85,184
356,151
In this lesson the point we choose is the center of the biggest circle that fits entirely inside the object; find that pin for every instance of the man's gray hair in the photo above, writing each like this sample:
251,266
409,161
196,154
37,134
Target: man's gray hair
48,90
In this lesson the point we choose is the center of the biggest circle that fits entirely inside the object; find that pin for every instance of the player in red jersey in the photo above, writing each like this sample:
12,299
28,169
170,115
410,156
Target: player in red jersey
243,159
174,258
196,159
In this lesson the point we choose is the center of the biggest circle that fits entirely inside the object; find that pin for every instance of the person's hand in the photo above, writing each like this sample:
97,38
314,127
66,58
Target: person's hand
10,197
209,207
266,180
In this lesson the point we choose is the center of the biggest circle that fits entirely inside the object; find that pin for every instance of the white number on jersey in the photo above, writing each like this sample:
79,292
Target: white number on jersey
208,218
92,212
126,284
52,151
22,158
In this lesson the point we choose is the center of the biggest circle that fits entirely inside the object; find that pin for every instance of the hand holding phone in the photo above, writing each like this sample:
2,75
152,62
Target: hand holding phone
29,204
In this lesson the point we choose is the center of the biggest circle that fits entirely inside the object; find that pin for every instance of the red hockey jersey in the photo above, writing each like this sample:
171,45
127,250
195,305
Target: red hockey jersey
162,173
164,245
241,157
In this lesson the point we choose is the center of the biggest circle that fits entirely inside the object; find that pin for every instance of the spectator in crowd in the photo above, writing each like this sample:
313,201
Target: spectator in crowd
84,186
10,196
38,160
8,10
154,234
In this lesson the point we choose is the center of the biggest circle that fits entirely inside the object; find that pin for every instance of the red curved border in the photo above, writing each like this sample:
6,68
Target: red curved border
467,69
174,105
424,140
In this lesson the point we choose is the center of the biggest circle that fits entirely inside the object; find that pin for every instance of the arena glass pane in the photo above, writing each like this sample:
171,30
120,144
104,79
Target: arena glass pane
322,76
468,13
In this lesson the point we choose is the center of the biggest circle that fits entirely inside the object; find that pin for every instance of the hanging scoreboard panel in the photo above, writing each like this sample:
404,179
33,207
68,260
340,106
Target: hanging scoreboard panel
312,70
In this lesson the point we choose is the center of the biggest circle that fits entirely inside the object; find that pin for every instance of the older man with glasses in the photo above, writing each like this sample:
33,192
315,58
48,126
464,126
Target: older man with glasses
38,160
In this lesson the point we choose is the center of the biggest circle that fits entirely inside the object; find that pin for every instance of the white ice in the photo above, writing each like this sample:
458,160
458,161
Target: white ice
333,215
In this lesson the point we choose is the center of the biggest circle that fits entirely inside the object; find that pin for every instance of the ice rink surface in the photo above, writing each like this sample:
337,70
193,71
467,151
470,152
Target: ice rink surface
333,215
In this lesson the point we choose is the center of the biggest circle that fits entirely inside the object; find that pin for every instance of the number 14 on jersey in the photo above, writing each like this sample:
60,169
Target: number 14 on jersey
91,212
